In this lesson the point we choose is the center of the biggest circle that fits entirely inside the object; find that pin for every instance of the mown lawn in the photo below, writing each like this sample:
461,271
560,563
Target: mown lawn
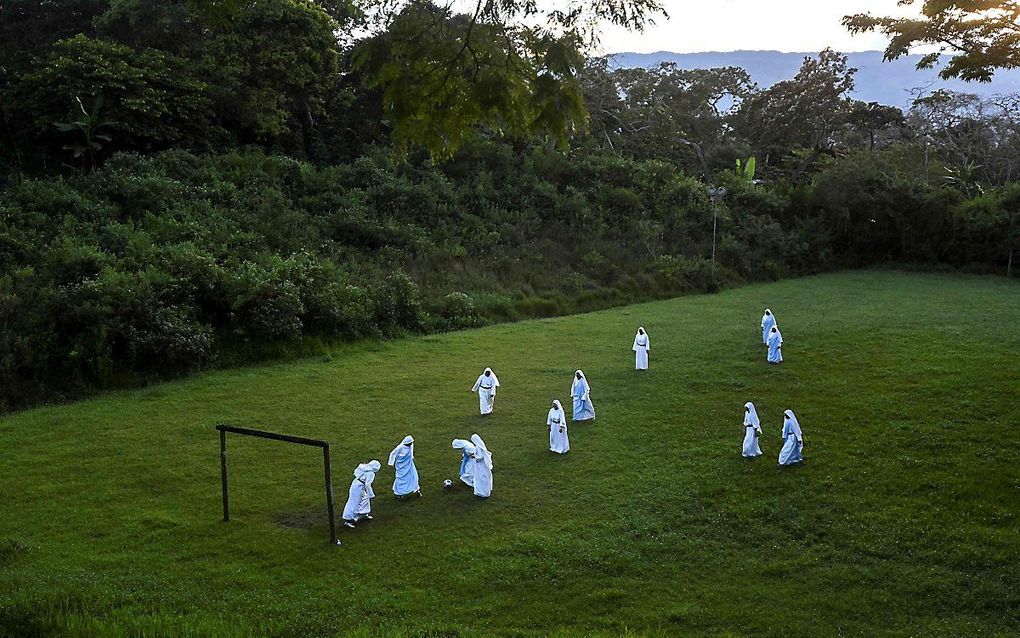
902,521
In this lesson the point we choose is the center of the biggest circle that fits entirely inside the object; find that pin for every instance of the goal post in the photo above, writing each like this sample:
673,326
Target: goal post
286,438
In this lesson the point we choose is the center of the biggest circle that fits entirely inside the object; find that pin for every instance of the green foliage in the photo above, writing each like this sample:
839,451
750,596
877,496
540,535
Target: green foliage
443,76
745,170
801,113
980,35
183,260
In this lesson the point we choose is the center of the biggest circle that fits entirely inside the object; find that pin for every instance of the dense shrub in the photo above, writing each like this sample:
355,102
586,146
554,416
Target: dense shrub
159,265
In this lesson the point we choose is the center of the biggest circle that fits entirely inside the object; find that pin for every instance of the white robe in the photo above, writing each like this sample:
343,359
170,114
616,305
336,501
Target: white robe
641,347
486,386
557,422
767,321
405,480
482,468
752,431
467,464
793,441
358,501
360,495
775,351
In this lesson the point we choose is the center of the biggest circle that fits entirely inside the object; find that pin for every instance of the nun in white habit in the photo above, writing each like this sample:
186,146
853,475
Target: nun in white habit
359,497
557,422
767,321
401,459
775,354
793,440
752,430
641,347
467,463
486,386
580,392
483,468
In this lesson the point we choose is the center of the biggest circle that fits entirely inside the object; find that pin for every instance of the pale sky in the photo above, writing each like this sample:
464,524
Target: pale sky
731,25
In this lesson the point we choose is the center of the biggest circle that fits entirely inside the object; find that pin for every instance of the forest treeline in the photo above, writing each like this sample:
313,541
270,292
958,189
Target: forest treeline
184,189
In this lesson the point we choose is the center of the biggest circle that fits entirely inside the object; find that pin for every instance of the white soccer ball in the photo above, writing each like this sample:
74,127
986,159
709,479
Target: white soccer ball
447,484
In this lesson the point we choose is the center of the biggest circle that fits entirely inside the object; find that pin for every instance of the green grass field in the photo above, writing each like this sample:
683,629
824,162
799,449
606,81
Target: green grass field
902,521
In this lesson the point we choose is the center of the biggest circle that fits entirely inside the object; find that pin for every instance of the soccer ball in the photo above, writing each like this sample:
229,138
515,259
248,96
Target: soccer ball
447,484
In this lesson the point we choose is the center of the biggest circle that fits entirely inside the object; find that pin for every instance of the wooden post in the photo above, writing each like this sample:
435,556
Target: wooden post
223,474
329,496
287,438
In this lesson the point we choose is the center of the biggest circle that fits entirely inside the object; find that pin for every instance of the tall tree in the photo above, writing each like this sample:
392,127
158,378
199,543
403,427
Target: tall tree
667,112
800,117
980,35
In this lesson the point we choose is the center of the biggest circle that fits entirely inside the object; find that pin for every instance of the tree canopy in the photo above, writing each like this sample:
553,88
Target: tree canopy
980,35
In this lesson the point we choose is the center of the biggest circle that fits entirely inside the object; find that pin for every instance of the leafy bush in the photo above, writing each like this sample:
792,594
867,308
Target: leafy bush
166,263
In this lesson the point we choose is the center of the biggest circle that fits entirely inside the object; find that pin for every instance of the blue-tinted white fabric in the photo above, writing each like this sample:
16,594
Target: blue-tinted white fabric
580,392
486,386
360,494
557,422
641,347
793,440
405,479
752,430
775,354
483,467
467,465
767,321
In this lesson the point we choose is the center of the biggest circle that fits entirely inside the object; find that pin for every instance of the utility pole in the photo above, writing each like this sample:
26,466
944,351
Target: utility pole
716,194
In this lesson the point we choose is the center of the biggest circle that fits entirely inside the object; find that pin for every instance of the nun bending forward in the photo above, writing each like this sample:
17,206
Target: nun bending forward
483,468
775,354
406,474
580,392
793,441
359,498
641,348
486,386
752,431
767,321
467,463
557,422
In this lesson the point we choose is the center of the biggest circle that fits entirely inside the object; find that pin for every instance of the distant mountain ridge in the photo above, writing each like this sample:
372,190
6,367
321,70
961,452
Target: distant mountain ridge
877,81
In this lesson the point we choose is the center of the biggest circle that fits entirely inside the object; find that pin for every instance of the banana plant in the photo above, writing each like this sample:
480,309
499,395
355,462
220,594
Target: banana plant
745,169
90,129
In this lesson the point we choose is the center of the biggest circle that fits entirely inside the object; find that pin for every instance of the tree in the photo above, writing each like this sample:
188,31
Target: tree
980,35
800,117
871,119
510,66
667,112
978,138
443,75
155,97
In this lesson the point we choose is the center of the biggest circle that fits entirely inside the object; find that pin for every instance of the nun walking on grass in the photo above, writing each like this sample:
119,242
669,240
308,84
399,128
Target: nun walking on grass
767,321
557,422
580,392
775,342
359,497
752,431
793,441
467,461
483,468
641,347
486,386
402,460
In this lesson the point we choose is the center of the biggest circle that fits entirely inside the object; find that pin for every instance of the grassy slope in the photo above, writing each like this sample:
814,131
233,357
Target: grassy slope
903,520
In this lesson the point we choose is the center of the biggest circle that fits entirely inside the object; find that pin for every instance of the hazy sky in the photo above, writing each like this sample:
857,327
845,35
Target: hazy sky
730,25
